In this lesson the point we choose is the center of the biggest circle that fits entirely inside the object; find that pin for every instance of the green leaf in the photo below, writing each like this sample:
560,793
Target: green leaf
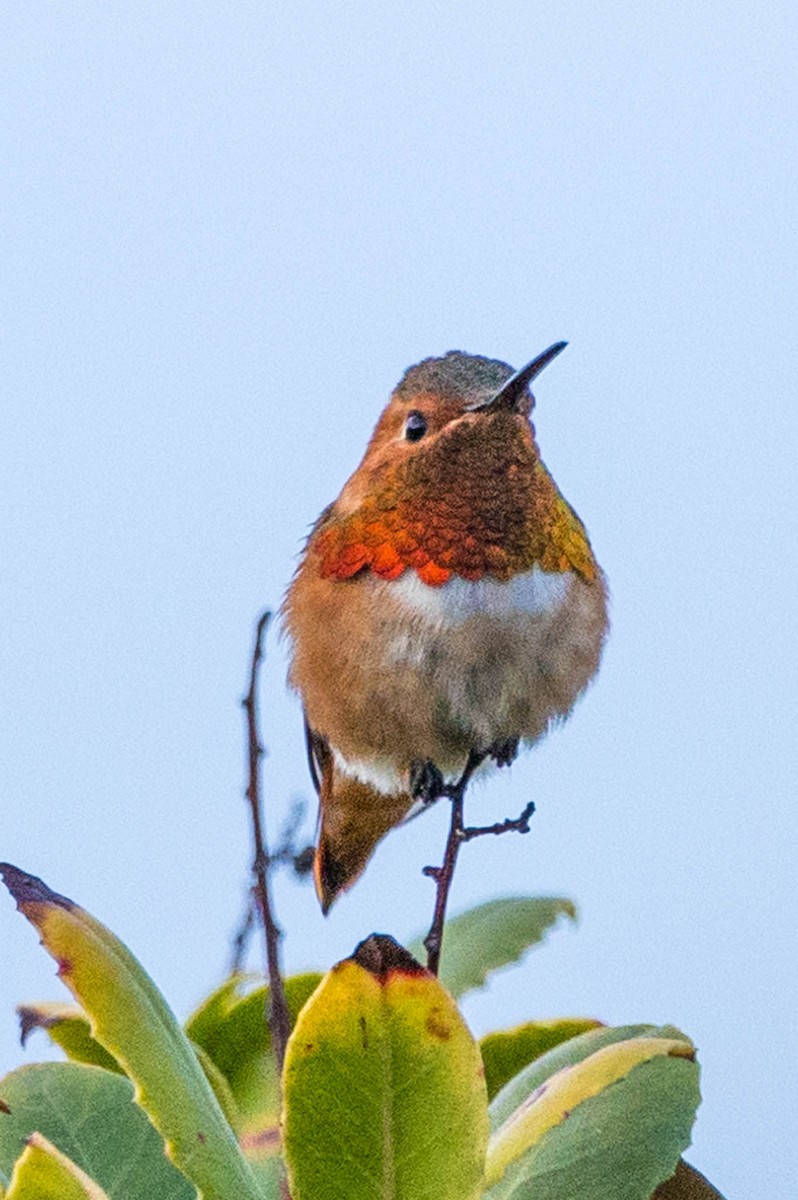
493,935
232,1021
131,1019
43,1173
88,1114
507,1051
68,1027
612,1125
384,1091
203,1022
219,1086
234,1034
568,1054
270,1174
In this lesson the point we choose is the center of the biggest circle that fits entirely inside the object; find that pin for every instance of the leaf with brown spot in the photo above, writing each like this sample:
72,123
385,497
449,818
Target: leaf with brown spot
131,1019
397,1114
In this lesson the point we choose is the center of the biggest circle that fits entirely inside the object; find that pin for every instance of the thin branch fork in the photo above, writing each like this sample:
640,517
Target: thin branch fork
518,824
289,853
278,1017
459,833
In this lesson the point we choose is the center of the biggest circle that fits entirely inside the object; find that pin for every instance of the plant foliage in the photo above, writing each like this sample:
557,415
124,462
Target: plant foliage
385,1092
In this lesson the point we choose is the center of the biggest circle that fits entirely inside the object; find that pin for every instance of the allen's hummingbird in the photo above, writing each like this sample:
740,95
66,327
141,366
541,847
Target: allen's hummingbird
448,602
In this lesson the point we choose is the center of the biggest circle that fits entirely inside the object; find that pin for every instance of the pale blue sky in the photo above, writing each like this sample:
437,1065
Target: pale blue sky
227,229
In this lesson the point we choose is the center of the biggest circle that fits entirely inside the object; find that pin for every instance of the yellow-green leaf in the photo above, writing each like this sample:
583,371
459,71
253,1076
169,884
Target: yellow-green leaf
131,1019
613,1123
203,1022
231,1027
42,1172
554,1102
232,1030
508,1051
68,1027
567,1054
219,1086
384,1089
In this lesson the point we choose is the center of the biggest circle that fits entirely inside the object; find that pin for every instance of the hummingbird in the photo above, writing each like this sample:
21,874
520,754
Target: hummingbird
447,604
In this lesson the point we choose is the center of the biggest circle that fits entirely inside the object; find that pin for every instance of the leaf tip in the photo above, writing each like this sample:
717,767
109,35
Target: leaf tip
381,955
29,889
685,1050
29,1019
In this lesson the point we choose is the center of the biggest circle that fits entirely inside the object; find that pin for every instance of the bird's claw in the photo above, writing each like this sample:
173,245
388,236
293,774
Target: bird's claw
504,751
426,781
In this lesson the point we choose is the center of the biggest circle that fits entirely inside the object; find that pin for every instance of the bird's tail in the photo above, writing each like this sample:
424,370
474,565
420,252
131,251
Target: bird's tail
353,819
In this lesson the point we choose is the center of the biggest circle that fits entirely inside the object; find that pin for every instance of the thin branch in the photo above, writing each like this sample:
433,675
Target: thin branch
509,825
279,1018
241,939
444,874
460,833
289,853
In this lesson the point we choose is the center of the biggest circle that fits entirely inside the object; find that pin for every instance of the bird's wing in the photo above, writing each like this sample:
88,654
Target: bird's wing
319,756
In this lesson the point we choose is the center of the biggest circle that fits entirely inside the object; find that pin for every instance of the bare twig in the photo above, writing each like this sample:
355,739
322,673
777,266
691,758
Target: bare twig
458,834
289,853
278,1017
509,825
241,938
444,874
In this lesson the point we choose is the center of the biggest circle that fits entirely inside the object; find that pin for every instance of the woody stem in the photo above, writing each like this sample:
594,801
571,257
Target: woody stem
444,874
278,1016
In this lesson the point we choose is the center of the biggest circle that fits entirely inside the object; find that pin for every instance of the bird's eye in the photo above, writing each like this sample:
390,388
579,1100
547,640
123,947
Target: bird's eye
415,426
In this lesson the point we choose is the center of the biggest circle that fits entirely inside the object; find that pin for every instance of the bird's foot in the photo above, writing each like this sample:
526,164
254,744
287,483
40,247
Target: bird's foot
426,781
504,751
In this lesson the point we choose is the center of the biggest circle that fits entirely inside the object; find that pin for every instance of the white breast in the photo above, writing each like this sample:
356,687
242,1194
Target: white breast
469,662
536,592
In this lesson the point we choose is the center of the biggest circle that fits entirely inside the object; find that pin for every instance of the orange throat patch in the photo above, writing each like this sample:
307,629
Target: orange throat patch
493,514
